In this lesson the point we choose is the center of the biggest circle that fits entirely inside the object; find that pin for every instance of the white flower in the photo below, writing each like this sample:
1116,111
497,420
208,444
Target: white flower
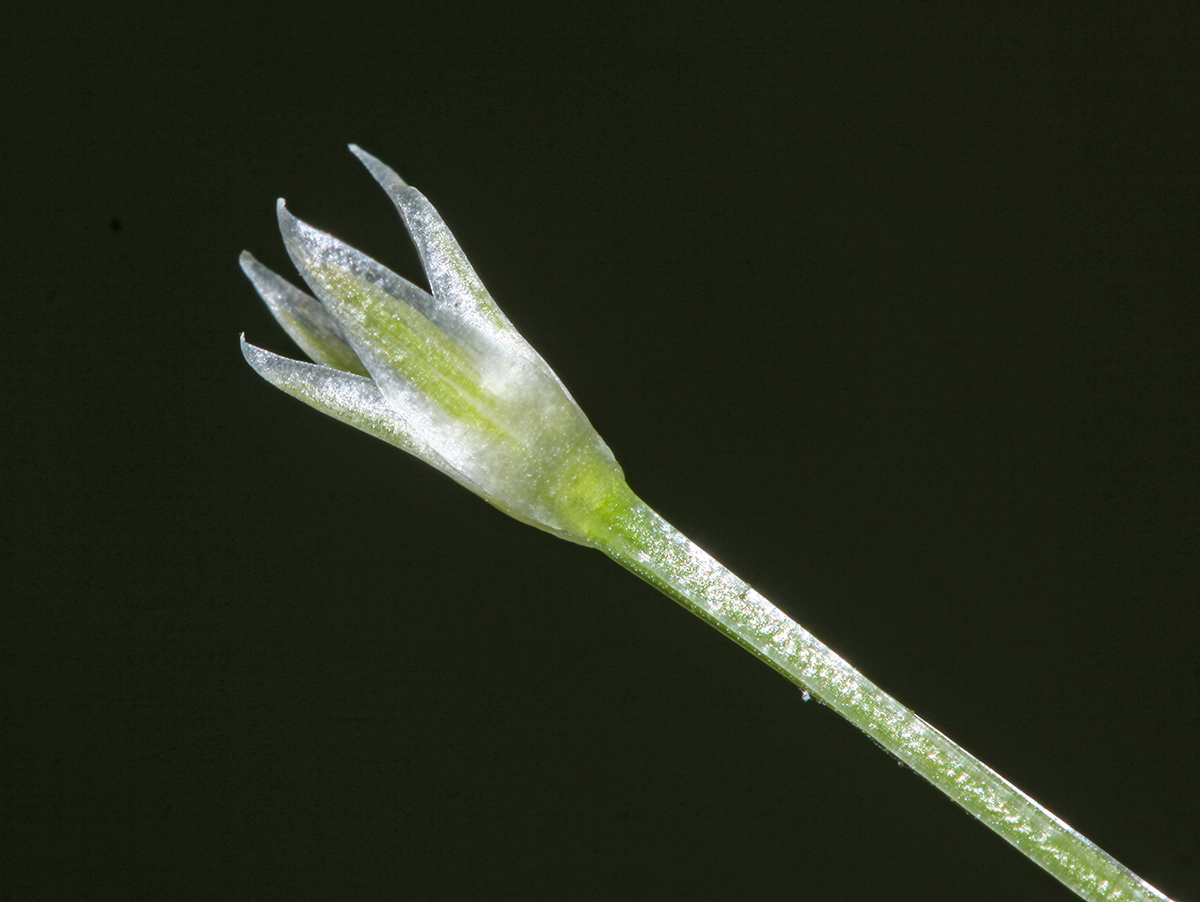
444,376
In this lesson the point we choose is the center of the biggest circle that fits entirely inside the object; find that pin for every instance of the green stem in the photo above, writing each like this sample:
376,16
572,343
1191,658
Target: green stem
646,544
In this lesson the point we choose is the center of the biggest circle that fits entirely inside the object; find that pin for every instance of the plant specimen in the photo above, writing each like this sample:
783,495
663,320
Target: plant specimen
445,376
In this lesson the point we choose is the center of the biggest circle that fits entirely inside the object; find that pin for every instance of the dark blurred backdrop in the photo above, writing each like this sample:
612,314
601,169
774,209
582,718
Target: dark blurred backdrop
894,312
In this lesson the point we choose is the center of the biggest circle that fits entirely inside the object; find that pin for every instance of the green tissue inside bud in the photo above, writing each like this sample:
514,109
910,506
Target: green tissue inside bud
535,455
332,349
427,357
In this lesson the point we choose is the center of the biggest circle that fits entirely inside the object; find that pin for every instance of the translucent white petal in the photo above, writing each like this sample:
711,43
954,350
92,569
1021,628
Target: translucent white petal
425,376
323,260
354,400
322,249
451,276
452,279
303,318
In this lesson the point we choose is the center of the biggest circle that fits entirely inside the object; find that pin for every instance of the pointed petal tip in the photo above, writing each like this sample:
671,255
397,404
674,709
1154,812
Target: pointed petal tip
258,274
288,224
272,367
248,349
381,172
260,359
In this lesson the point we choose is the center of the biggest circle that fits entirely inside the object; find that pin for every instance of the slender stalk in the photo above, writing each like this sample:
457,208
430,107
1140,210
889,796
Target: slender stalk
646,544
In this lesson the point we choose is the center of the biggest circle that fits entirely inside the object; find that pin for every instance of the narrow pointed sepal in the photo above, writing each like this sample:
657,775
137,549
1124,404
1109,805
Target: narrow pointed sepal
354,400
452,279
427,373
303,318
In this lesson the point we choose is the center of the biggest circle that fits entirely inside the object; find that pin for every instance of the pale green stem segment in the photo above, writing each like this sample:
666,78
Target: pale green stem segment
646,544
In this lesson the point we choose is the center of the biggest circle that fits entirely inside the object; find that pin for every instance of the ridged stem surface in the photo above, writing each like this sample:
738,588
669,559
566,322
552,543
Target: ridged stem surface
646,544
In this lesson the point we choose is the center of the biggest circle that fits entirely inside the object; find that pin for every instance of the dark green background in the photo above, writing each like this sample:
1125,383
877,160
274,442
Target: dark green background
895,314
